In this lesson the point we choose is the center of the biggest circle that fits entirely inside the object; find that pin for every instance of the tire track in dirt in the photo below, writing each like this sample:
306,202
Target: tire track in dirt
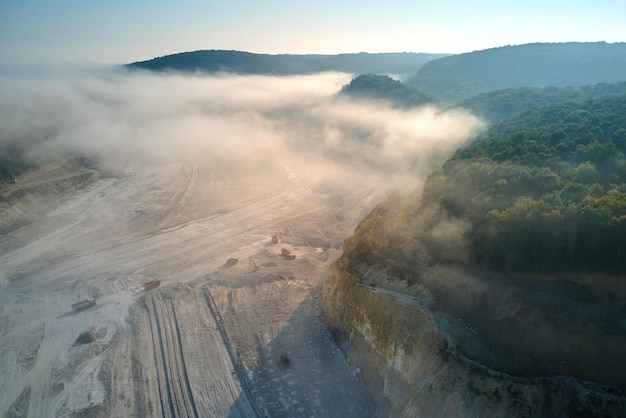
191,405
238,367
271,206
175,393
179,202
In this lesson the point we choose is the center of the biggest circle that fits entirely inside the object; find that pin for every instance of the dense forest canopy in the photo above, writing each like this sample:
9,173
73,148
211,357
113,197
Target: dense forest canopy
572,64
12,161
543,191
501,104
382,87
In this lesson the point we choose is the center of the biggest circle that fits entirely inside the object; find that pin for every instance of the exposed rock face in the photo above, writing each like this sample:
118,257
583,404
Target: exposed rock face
41,188
446,341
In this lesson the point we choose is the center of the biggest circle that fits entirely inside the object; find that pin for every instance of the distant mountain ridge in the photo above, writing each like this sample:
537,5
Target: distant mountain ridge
572,64
287,64
448,78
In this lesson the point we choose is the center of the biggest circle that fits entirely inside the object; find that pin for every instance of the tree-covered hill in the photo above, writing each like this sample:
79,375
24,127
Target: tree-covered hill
501,104
12,161
544,191
573,64
286,64
382,87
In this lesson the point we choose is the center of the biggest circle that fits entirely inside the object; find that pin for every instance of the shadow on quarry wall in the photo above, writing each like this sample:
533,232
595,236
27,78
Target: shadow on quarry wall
448,341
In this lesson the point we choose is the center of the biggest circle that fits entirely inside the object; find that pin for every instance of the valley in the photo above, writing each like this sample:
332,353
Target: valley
209,340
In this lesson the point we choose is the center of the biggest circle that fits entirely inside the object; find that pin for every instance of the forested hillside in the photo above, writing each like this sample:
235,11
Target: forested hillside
544,191
573,64
382,87
249,63
501,104
12,161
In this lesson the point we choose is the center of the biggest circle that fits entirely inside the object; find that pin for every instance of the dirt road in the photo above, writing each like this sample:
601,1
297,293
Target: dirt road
211,341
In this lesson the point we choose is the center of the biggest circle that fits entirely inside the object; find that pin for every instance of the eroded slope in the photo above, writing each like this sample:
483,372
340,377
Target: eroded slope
447,341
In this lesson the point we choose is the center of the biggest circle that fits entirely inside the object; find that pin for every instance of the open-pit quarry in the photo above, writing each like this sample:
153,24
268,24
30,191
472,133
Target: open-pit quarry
233,329
445,340
193,290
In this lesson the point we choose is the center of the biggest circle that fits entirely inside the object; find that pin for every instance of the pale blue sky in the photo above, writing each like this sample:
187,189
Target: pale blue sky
115,31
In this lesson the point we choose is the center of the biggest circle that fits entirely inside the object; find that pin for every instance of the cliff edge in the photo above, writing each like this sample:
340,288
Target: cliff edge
446,340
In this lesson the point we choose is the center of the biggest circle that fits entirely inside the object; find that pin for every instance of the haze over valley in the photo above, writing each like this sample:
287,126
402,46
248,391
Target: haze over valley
222,233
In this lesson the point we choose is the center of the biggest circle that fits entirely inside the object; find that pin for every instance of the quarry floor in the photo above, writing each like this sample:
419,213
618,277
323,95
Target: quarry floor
217,338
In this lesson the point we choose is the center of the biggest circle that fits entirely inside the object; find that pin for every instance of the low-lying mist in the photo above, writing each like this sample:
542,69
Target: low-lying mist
246,122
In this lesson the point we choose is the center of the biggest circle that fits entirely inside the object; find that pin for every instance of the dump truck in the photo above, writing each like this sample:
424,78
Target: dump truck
83,304
152,284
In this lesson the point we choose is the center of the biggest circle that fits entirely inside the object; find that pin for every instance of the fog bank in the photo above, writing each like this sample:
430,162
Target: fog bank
245,121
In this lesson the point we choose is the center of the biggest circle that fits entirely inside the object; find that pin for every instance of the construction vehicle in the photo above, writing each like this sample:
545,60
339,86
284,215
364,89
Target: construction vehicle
286,254
83,304
152,284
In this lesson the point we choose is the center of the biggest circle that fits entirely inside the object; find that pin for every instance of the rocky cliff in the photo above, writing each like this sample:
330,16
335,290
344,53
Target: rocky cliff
38,190
435,340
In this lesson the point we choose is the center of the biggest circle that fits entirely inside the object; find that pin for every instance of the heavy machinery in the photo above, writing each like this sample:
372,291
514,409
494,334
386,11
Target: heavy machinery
83,304
152,284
